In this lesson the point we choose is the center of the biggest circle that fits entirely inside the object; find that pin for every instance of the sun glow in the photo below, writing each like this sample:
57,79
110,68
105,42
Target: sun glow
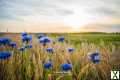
78,19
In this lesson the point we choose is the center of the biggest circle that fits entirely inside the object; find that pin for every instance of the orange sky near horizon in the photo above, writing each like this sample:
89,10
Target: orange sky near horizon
59,27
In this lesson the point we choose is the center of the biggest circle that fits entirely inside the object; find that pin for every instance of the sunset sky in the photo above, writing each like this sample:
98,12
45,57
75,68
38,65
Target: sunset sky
60,15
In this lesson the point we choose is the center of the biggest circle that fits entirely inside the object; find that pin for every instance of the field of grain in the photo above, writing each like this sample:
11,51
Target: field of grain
29,63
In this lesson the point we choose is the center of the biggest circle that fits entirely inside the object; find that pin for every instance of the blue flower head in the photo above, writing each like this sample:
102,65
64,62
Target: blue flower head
95,57
61,39
24,34
45,40
22,49
41,35
1,41
50,50
5,41
27,38
48,65
66,66
28,46
70,50
4,55
13,44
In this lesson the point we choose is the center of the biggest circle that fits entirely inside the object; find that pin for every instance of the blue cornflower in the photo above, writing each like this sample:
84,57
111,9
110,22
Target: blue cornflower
95,57
24,34
40,36
45,40
22,49
28,46
1,41
5,41
50,50
13,44
66,66
27,38
48,65
70,50
61,39
5,55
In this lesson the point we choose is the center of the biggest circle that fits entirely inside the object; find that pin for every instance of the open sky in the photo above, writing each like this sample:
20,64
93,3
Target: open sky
60,15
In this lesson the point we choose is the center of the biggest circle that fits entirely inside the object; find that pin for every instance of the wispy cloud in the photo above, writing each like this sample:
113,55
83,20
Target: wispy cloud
73,13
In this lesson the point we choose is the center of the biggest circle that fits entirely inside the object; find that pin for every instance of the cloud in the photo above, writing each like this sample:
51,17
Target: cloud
108,8
59,7
73,13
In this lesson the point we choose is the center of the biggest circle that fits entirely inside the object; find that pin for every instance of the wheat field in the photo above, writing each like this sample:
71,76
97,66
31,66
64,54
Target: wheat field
29,64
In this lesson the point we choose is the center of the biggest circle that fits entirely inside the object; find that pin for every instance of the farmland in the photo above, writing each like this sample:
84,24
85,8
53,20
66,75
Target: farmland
30,63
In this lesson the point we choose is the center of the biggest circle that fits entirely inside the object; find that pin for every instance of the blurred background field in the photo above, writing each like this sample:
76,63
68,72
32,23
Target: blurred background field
29,64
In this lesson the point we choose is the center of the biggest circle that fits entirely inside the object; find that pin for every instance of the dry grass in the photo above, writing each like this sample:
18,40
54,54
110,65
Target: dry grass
29,64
